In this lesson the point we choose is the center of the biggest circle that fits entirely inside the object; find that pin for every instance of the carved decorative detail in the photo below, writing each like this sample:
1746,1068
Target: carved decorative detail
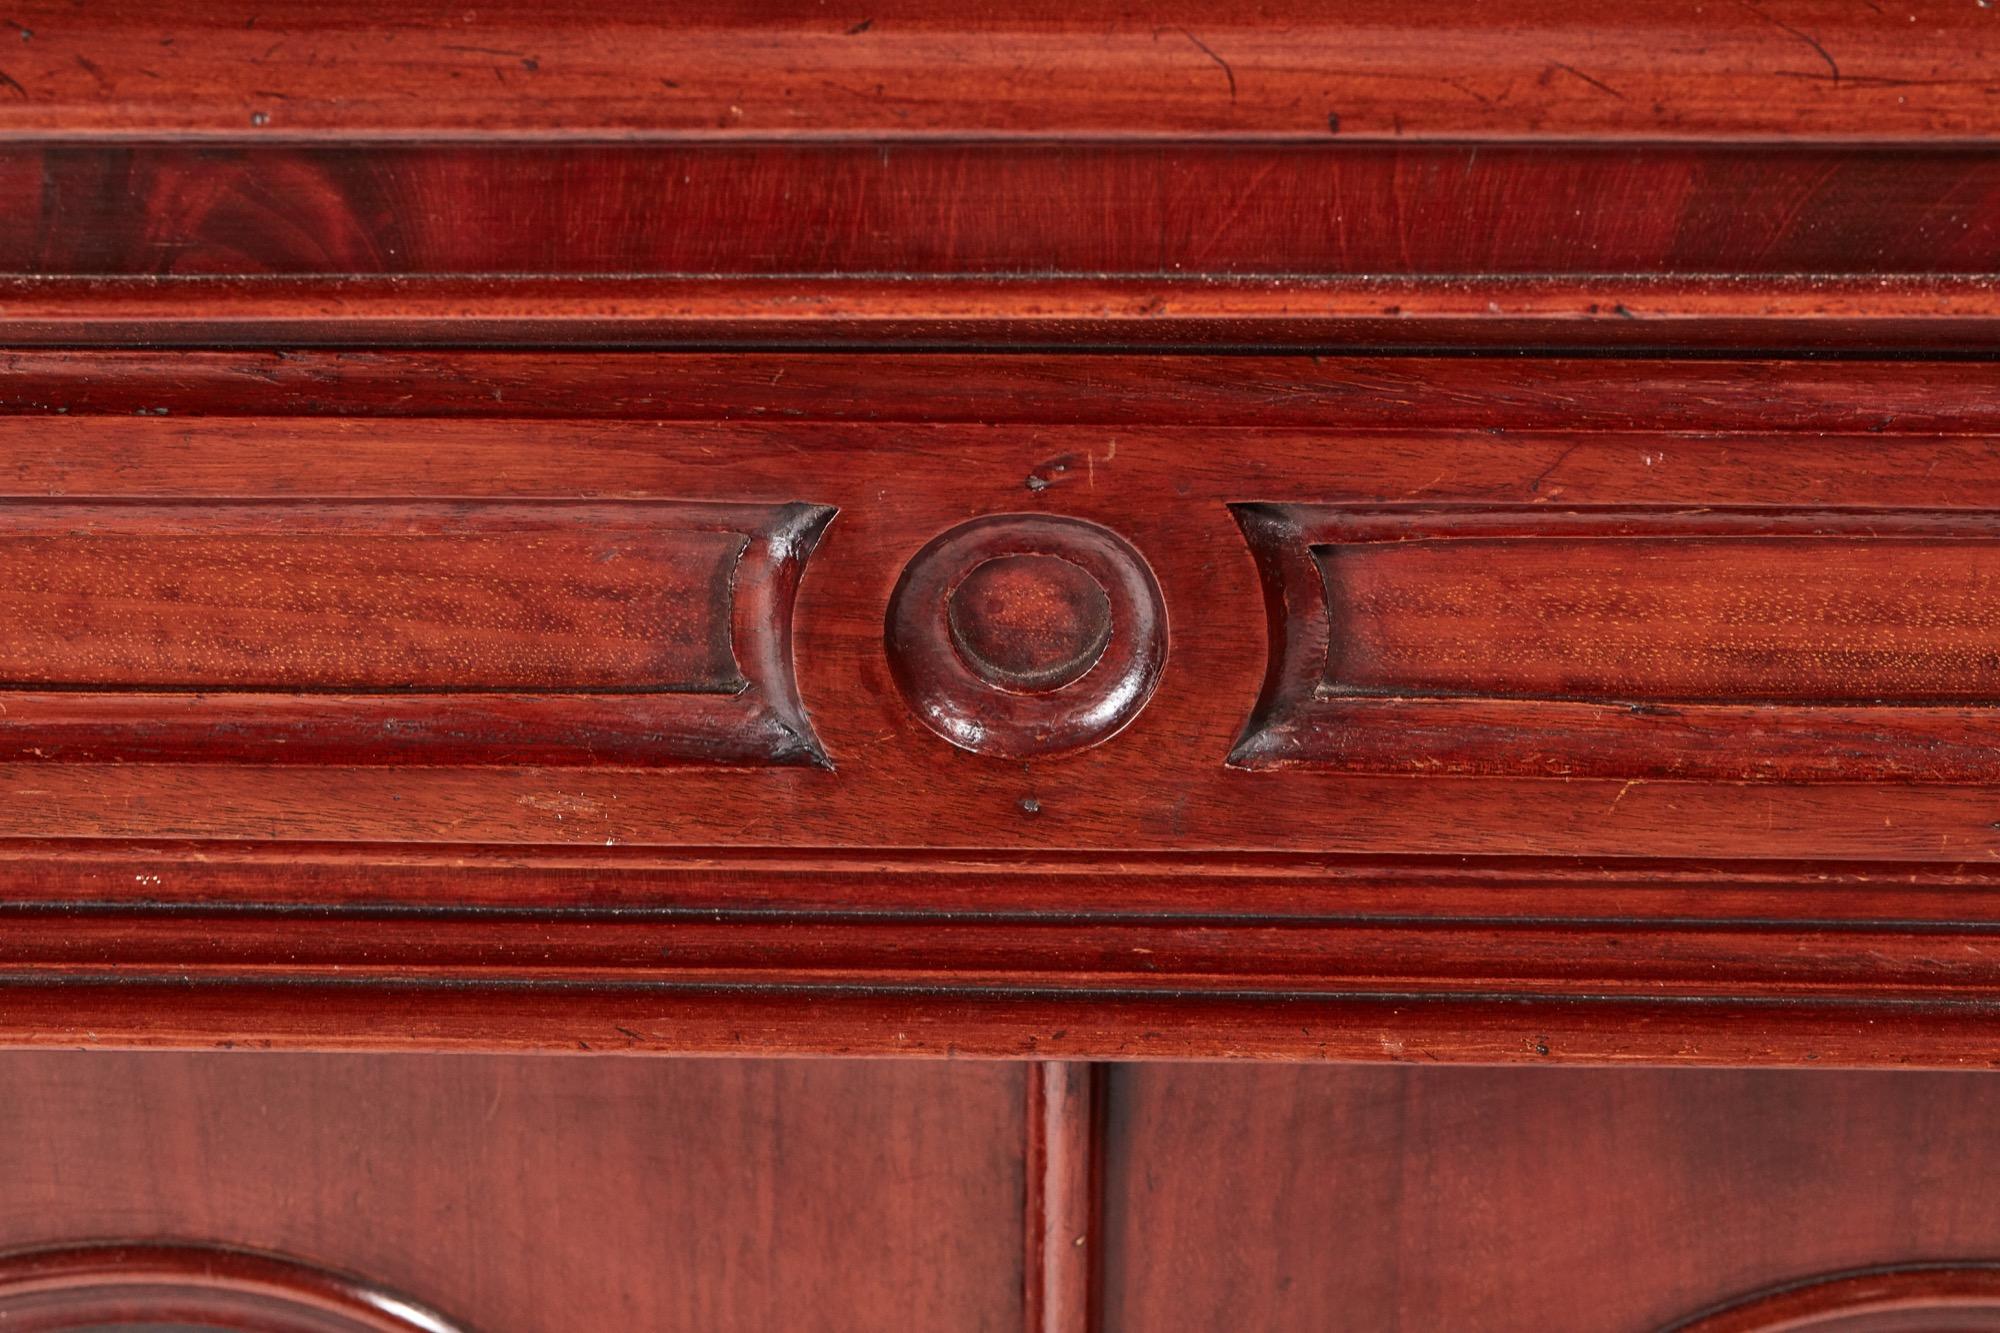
1025,634
1629,643
101,1287
1962,1297
549,632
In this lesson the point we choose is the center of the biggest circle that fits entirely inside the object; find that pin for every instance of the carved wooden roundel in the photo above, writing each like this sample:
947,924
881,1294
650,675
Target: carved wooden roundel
144,1288
1913,1298
1026,634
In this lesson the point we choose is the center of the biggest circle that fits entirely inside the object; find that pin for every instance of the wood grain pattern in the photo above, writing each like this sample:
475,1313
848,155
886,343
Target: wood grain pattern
386,632
1640,643
1290,396
1366,1199
1170,209
823,1196
1137,898
1814,68
1162,785
766,184
1069,241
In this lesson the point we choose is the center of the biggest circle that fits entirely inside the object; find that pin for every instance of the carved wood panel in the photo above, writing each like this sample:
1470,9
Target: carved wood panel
394,632
531,864
1707,643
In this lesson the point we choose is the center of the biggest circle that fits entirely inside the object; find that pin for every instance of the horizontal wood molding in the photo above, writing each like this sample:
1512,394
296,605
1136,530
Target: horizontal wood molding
1030,67
1080,209
1418,958
1852,404
1072,242
1135,896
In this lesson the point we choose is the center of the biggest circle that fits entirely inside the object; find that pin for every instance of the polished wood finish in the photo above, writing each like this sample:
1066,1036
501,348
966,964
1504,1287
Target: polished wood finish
727,1195
61,1289
1137,897
1527,175
1597,1201
1031,208
1019,635
1914,1296
1818,67
532,1195
377,633
1374,536
791,67
1064,1161
1738,644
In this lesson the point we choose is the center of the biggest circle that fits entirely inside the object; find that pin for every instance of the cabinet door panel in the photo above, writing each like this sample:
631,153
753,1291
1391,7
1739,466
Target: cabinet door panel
524,1195
1364,1200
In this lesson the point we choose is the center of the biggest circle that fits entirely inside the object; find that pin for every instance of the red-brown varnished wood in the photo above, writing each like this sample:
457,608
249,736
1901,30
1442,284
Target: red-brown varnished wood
1065,1182
983,242
1579,398
441,632
1556,68
537,1195
947,532
847,209
1937,315
1753,643
1596,1201
61,1288
1165,488
1875,1300
1137,896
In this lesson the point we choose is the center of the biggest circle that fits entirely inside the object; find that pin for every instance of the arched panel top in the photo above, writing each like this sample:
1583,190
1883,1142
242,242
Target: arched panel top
66,1289
1918,1298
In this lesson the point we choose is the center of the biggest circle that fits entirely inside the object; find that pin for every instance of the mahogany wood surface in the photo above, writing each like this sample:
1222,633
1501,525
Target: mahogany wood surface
1625,642
1375,536
1539,173
1064,1161
389,633
63,1288
1554,68
1586,1200
523,1194
928,897
530,1196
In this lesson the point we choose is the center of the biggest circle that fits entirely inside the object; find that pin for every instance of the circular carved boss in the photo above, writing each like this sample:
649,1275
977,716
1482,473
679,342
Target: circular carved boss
1026,634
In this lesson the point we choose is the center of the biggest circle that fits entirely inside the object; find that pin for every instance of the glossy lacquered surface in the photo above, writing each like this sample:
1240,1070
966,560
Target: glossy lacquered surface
522,1195
1288,533
1316,1198
1764,839
527,1196
1534,173
760,67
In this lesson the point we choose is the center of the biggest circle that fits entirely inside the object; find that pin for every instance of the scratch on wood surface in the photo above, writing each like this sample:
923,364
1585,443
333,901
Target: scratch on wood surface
1209,51
1805,37
1598,84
